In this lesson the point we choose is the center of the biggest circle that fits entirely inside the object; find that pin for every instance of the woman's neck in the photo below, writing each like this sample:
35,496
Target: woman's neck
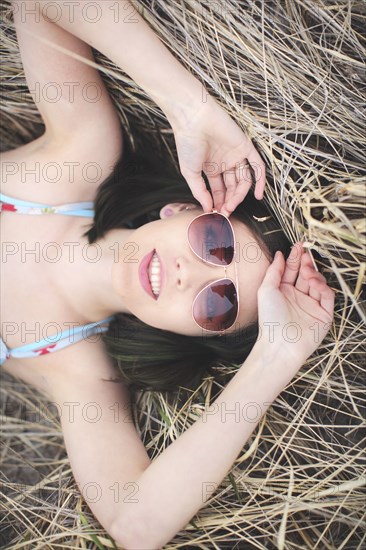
83,277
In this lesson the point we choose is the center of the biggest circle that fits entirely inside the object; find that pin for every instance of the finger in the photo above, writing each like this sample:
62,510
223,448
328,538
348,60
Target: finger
293,263
274,273
310,255
303,279
238,196
302,283
307,272
243,173
229,179
243,182
218,190
259,170
327,298
310,269
315,289
198,187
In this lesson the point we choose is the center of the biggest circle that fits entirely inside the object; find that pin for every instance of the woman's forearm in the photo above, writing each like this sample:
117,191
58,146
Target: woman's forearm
177,483
117,30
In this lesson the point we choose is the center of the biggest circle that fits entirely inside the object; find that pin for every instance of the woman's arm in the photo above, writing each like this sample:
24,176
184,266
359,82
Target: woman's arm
117,30
207,138
175,486
142,504
64,88
180,480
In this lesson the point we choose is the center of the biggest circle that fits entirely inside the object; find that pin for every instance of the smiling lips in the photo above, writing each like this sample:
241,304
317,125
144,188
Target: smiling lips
154,274
151,274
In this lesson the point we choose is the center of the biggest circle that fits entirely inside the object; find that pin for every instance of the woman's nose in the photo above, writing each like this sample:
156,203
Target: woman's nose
181,273
193,272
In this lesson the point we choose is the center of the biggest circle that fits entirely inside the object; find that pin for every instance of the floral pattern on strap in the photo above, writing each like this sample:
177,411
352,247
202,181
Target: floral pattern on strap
45,350
7,207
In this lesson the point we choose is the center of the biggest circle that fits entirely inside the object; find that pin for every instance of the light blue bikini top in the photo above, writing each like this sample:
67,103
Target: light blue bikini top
73,334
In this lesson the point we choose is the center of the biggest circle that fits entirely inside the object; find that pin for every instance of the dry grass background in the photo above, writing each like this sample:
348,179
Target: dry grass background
292,73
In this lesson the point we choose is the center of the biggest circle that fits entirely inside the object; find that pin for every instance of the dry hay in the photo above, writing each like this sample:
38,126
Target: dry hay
292,74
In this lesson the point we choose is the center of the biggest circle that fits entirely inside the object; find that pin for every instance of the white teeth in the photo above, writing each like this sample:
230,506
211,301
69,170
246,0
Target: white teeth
154,274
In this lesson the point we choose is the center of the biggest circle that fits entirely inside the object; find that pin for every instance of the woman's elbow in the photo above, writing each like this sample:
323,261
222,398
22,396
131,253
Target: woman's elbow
134,534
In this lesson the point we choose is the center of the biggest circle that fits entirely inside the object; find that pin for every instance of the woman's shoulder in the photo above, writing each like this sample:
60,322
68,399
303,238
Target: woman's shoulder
52,172
80,366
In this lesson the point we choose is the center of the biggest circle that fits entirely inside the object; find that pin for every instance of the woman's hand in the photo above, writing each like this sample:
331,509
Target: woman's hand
295,307
207,138
210,141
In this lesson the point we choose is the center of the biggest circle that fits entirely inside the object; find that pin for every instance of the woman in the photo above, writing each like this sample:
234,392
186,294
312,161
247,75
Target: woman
85,289
148,353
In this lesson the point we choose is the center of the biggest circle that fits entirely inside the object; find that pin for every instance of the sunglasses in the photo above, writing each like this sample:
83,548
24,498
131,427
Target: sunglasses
211,238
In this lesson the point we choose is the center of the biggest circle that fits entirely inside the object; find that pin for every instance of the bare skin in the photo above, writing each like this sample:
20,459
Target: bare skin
34,292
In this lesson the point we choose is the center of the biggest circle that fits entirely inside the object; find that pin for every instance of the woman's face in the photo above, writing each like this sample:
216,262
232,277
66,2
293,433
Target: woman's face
182,274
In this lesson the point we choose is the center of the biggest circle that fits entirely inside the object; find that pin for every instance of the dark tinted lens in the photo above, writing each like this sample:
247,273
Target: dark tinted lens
216,306
212,239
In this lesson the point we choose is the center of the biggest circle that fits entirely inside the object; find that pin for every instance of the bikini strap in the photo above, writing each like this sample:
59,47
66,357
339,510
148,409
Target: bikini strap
9,204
